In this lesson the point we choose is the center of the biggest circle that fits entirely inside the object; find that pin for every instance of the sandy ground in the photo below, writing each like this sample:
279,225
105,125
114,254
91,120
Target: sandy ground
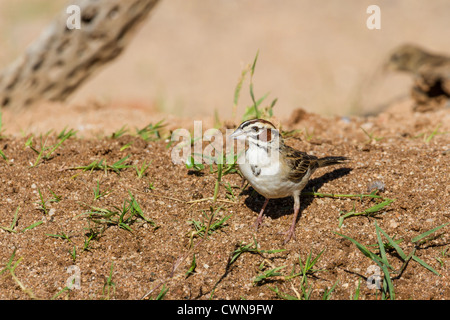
403,157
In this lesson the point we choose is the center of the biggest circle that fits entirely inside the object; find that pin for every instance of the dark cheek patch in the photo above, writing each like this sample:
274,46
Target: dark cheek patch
265,135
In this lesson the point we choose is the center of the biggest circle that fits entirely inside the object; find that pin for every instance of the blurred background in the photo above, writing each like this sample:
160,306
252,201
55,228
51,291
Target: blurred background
188,56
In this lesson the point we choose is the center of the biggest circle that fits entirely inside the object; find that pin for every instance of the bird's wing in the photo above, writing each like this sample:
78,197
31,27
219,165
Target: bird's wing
298,163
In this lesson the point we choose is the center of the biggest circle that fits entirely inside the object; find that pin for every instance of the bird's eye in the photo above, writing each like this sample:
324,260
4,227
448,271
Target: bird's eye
255,128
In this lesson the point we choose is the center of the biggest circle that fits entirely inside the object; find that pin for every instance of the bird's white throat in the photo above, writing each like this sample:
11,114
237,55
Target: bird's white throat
264,157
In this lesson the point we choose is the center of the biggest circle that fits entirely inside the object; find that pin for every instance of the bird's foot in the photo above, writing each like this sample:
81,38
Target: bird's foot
290,234
258,222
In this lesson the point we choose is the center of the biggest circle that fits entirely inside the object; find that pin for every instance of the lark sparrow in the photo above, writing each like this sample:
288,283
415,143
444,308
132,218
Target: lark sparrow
274,169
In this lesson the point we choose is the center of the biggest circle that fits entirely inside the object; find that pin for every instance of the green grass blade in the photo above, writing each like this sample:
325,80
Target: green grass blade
327,293
267,274
363,249
357,291
425,234
237,91
424,264
192,267
33,226
283,295
13,223
369,211
381,246
2,154
395,245
254,63
388,282
162,293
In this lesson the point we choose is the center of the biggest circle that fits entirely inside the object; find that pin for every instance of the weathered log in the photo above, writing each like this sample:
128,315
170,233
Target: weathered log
61,59
431,72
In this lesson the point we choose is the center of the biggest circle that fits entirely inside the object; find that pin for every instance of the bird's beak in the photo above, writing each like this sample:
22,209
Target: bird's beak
238,134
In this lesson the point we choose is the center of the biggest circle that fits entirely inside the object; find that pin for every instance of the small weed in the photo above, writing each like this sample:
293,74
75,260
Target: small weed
426,236
383,263
33,226
141,171
162,293
355,296
443,254
284,296
200,226
62,235
126,146
307,267
102,165
306,289
87,242
151,132
290,133
428,136
259,279
92,234
109,286
192,165
230,193
65,289
43,204
56,198
217,122
97,193
181,259
3,155
150,186
13,223
121,216
309,135
117,134
192,267
65,135
253,111
226,164
327,292
10,267
73,254
371,136
251,248
386,244
45,152
367,212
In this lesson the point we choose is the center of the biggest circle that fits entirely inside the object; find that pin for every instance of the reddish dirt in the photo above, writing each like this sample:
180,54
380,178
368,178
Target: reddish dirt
413,171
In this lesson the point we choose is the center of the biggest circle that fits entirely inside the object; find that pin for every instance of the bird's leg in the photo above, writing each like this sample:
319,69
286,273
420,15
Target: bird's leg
260,218
291,232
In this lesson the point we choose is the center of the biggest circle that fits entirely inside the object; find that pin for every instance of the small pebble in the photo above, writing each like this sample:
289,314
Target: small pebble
393,224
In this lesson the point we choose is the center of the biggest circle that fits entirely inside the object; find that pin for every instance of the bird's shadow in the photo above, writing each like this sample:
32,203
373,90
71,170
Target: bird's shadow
277,208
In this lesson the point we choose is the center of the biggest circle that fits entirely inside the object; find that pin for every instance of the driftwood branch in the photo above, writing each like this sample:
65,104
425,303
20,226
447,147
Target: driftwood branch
61,59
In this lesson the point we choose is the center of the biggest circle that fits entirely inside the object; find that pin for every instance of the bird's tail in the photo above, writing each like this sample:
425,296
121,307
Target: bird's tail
329,161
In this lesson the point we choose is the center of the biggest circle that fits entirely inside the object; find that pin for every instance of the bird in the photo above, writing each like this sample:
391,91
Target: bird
274,169
431,72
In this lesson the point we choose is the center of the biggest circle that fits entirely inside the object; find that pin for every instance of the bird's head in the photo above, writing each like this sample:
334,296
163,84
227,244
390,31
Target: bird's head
257,131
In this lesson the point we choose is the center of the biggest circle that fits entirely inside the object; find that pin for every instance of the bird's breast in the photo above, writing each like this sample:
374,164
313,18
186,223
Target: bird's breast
268,181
